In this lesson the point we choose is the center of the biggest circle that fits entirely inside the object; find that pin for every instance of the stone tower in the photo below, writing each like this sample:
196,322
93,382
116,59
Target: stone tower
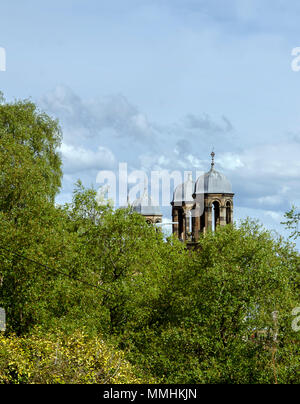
182,206
209,206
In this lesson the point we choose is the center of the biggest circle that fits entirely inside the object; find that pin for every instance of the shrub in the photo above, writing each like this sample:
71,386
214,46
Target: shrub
58,358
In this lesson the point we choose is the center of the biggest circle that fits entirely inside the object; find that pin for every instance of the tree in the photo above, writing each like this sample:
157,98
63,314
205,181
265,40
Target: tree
292,223
181,316
29,159
58,358
30,178
212,321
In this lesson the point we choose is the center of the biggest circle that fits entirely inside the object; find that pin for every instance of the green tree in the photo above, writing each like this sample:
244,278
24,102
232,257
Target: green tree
292,222
213,319
30,178
220,314
29,159
181,316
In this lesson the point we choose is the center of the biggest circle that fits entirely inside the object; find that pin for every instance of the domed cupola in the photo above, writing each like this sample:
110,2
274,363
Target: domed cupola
210,206
184,192
148,208
213,182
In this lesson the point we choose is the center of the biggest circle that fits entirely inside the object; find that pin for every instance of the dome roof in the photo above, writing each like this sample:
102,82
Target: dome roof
146,206
213,182
184,192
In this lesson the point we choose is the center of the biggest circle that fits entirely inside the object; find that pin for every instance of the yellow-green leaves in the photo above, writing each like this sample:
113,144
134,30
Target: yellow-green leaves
57,358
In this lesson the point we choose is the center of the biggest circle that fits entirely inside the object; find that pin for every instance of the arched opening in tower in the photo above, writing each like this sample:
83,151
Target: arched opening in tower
215,215
190,223
202,222
180,223
228,212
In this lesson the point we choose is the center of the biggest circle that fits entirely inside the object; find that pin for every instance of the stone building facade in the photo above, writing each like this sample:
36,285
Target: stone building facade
203,205
197,207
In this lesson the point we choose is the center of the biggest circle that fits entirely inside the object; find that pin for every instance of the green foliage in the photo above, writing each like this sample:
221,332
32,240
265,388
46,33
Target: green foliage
201,326
61,359
180,316
30,163
292,223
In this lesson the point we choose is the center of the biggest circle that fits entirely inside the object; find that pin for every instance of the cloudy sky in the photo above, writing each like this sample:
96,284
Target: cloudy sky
159,83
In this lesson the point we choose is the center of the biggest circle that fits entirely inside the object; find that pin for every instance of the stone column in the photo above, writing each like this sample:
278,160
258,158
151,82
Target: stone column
222,215
196,228
208,221
175,219
184,226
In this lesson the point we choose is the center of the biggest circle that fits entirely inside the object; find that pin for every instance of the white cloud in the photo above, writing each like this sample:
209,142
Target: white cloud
99,133
274,215
229,161
278,159
271,200
94,115
78,159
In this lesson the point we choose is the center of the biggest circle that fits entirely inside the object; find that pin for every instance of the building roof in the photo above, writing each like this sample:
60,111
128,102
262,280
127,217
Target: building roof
184,192
213,182
146,206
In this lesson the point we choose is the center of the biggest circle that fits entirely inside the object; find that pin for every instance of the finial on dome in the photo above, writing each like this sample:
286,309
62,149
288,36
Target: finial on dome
212,159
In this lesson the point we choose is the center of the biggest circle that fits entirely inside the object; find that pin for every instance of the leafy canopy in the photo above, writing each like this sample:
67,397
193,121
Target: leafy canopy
221,314
30,162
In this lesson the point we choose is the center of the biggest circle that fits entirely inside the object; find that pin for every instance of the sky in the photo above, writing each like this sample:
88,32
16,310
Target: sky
158,84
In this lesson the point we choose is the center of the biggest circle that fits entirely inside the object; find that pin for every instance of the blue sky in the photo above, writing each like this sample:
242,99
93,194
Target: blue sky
158,83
